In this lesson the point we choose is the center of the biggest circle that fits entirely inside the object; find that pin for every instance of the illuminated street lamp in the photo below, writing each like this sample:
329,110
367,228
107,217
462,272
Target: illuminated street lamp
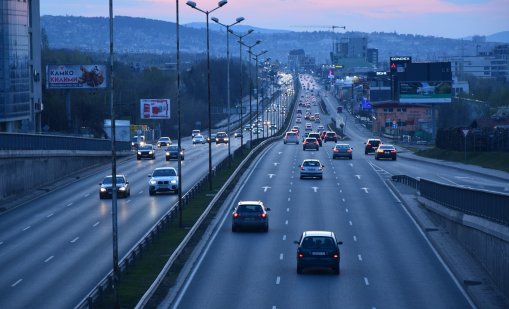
249,47
193,5
241,36
238,20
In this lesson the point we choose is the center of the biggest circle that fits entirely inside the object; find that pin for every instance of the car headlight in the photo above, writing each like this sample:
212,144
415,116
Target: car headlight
122,188
139,152
167,153
152,182
226,138
173,181
150,152
103,189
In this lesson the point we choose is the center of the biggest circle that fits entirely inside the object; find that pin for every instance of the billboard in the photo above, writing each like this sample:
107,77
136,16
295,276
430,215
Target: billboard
425,92
155,108
76,76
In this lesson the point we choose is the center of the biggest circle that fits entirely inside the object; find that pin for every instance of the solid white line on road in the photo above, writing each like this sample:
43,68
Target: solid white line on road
346,209
281,256
350,222
16,283
51,214
287,209
286,222
96,224
278,280
354,238
360,257
75,240
26,228
366,281
49,259
68,205
284,237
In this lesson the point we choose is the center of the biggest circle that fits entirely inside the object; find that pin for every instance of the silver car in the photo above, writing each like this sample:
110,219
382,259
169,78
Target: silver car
311,168
163,179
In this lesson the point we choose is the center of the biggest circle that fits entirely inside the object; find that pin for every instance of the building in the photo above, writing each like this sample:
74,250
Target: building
299,62
488,64
20,66
396,119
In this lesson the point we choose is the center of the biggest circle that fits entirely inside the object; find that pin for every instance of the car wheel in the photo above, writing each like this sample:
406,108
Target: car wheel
138,158
394,159
336,270
350,157
321,177
285,143
301,177
266,228
365,152
297,143
167,159
299,269
101,197
234,228
150,192
377,158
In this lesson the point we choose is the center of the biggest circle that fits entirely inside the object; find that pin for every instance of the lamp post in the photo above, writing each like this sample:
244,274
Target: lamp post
238,20
193,5
241,36
257,89
249,47
179,166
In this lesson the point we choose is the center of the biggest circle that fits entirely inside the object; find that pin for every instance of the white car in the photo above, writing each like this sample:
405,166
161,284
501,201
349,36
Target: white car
163,142
199,139
298,120
195,132
163,179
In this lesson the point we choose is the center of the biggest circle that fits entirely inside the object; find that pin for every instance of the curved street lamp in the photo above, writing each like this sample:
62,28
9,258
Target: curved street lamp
238,20
241,36
193,5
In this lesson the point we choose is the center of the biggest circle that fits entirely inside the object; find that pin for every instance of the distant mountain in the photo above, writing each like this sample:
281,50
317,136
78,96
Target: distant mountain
500,37
237,28
142,35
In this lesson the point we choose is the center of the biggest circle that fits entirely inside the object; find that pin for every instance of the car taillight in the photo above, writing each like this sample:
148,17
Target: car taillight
349,150
369,145
236,215
335,255
393,151
263,215
336,150
321,168
300,255
302,168
316,142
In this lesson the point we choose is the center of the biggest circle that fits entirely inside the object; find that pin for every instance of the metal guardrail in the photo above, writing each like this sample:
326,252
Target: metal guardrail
21,141
493,206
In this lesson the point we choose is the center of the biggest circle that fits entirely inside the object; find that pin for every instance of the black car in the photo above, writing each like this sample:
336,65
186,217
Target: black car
172,152
122,184
221,137
317,136
386,151
330,136
250,214
211,138
146,151
318,249
342,151
371,145
310,143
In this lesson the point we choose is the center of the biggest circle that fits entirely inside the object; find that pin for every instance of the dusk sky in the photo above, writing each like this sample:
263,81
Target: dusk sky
445,18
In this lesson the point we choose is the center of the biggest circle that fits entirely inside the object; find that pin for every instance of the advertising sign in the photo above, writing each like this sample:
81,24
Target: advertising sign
425,92
76,76
155,108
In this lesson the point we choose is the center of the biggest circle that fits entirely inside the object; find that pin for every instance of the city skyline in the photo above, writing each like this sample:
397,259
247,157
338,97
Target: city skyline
441,18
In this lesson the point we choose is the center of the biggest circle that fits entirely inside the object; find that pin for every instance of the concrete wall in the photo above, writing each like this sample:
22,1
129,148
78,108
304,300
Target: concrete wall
487,241
26,172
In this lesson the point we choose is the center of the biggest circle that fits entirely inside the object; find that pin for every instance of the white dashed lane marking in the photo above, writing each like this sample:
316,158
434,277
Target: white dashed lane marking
75,240
16,283
50,215
26,228
49,259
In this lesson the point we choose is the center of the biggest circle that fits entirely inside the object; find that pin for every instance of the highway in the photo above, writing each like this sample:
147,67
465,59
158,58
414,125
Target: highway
386,260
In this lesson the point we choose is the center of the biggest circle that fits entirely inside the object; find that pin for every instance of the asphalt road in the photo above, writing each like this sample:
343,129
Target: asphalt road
386,260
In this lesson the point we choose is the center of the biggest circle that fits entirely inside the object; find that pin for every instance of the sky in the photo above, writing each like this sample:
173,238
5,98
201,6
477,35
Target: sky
441,18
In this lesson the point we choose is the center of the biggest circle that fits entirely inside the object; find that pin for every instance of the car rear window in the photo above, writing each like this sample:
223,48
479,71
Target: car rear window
290,134
317,242
311,163
249,208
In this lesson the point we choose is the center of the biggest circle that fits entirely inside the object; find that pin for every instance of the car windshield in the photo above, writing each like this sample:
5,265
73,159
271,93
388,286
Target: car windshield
109,179
164,139
342,146
249,208
146,147
173,148
318,242
164,172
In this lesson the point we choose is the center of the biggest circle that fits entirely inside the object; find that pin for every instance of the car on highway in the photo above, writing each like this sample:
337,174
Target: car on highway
371,145
342,151
291,137
330,136
163,142
320,128
308,127
146,151
163,179
195,132
310,143
250,214
237,134
172,152
317,136
222,137
386,151
311,168
247,127
122,184
298,120
137,141
212,137
199,139
318,250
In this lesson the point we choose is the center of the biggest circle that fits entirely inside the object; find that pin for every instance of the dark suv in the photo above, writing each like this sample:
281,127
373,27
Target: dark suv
250,214
330,137
372,145
317,136
318,249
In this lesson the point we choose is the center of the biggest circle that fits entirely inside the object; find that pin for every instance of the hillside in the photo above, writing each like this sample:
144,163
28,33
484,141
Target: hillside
141,35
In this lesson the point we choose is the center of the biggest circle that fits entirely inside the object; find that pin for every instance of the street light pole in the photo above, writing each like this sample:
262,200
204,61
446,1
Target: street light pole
238,20
180,208
193,5
249,47
257,89
241,97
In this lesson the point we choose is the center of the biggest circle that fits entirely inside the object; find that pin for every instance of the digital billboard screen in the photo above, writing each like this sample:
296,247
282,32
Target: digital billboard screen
425,91
78,76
